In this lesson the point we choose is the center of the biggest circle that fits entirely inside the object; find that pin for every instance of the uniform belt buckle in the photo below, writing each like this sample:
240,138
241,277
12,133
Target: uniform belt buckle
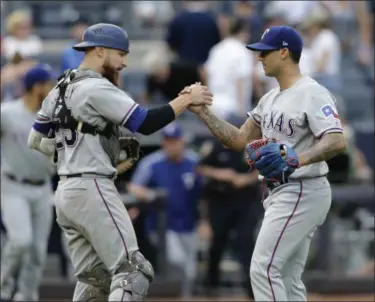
34,182
273,184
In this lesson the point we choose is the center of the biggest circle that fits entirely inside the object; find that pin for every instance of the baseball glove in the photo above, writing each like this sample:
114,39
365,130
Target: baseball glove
251,151
276,162
129,154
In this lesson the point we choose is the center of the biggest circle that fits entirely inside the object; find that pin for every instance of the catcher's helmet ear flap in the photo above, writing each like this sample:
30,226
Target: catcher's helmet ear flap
104,35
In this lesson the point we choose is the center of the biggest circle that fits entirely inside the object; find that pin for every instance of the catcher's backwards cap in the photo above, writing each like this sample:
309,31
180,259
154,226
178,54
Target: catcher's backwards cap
278,37
104,35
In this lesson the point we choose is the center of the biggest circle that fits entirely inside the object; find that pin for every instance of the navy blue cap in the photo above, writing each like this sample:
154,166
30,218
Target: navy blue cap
40,73
173,130
278,37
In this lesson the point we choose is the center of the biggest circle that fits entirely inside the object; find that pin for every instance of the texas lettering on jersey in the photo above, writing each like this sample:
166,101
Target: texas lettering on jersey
280,122
298,117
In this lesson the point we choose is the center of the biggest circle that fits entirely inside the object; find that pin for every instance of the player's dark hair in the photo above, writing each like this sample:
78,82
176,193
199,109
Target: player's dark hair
29,89
295,56
238,25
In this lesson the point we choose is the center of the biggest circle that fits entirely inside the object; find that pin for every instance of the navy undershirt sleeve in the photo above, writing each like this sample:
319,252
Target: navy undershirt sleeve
136,119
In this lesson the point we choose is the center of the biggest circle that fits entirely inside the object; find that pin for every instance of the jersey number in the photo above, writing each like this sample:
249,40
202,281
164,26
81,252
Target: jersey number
66,137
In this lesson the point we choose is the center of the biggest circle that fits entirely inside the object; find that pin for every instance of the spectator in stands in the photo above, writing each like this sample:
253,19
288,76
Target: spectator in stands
12,75
20,38
153,13
353,22
359,169
247,10
234,208
350,166
228,72
166,77
173,170
1,46
193,32
72,58
244,10
294,11
325,49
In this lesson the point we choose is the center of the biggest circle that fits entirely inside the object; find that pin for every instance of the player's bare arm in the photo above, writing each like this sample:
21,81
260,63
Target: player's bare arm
221,174
141,192
326,148
229,135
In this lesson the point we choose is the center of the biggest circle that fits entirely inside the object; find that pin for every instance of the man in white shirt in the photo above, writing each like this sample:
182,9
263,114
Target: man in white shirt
294,11
325,50
229,72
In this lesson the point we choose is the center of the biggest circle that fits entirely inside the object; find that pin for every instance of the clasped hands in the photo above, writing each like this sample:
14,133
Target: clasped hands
200,96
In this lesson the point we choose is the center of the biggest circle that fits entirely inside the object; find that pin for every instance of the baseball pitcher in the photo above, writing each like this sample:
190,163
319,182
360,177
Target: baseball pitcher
26,191
292,132
85,112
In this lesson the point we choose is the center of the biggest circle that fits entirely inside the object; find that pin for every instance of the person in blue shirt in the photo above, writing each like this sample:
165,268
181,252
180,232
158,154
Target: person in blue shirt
173,169
193,32
72,58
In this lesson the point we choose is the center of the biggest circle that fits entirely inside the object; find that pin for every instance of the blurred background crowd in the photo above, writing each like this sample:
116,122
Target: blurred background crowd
202,222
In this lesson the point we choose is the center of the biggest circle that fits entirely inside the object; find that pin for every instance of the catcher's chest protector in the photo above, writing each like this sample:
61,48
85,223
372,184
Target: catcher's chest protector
62,115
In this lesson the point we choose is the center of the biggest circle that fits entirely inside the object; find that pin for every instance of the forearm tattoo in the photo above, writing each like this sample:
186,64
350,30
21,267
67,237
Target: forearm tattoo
328,147
228,134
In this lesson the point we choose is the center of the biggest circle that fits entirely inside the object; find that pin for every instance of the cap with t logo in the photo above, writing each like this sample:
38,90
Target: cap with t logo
278,37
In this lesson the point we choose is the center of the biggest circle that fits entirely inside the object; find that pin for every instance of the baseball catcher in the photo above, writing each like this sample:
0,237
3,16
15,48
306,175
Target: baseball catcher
79,125
123,150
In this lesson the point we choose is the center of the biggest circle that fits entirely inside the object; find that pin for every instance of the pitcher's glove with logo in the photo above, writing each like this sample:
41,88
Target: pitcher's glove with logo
129,154
251,150
276,162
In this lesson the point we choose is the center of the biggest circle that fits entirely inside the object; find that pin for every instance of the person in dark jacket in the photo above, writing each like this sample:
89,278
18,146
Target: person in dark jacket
233,196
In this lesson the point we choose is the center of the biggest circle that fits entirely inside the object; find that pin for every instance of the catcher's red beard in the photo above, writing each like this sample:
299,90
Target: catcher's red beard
111,74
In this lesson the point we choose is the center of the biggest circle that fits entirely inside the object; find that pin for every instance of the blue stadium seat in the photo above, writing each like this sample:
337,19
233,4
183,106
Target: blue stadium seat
53,19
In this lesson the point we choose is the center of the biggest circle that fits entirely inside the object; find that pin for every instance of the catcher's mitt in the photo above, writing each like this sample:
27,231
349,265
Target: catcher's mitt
276,162
129,154
251,149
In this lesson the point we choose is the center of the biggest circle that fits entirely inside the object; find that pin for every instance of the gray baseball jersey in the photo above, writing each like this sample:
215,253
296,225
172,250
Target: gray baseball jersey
83,201
297,117
95,101
26,210
16,157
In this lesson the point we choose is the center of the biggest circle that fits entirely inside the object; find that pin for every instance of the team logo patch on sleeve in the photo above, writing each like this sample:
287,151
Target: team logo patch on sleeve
329,111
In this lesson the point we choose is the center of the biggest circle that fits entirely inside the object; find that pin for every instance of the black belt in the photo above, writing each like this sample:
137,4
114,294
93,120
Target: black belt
26,181
272,185
77,175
